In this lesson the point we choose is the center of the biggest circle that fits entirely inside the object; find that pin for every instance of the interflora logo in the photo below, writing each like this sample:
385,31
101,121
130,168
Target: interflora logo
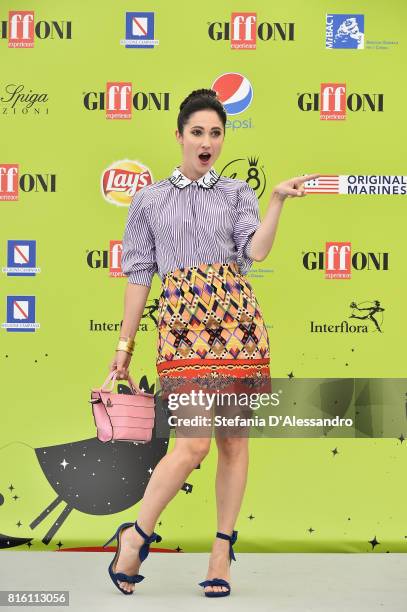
122,179
338,261
118,100
367,316
332,101
243,30
21,29
11,182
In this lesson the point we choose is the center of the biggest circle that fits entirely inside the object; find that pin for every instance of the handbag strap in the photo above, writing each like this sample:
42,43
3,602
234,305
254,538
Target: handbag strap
111,378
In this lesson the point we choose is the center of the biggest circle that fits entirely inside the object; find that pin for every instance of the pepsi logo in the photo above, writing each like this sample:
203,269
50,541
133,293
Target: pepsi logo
235,92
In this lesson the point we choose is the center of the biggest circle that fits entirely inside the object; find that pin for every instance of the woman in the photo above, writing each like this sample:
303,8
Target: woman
200,232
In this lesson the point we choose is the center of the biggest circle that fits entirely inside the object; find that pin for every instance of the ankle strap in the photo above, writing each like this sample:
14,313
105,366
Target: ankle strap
232,539
149,539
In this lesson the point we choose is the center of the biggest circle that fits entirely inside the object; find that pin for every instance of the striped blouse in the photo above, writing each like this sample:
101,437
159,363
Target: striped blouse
177,223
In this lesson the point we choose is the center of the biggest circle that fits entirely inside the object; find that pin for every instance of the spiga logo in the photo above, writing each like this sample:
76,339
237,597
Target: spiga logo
21,29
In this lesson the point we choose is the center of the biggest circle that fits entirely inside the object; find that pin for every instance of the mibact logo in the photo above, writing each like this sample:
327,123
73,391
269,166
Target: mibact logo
118,100
243,30
21,29
345,31
123,179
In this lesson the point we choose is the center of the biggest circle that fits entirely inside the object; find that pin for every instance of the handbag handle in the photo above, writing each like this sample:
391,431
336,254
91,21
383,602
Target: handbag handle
111,378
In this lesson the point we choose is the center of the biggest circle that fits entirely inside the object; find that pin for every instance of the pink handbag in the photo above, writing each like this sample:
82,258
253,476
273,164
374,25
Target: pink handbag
122,416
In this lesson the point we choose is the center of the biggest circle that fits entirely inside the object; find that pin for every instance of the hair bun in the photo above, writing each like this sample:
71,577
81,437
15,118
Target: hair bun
199,92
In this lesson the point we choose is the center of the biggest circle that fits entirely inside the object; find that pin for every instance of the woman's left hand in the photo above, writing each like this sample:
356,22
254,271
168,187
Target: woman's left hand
293,187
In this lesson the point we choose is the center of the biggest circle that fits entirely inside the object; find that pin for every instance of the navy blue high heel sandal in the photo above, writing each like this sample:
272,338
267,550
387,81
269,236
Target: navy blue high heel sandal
143,554
219,581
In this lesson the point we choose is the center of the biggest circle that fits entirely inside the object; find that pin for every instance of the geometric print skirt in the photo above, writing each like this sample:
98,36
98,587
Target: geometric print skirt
211,333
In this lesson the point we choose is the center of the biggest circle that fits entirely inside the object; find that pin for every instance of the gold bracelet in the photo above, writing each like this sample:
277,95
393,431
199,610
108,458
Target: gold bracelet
126,345
128,339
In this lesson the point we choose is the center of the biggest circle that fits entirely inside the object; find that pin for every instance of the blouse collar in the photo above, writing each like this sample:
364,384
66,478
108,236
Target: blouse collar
207,180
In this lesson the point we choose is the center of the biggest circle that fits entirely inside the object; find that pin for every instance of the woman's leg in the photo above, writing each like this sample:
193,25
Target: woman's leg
166,480
231,478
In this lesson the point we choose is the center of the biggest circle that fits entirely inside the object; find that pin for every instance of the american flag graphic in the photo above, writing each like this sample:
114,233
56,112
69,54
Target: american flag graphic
326,183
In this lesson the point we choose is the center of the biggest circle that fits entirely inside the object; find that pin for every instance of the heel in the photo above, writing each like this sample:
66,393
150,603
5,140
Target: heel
143,553
115,535
111,539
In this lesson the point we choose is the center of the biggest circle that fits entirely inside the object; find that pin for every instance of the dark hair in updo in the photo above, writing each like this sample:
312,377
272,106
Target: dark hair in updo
200,99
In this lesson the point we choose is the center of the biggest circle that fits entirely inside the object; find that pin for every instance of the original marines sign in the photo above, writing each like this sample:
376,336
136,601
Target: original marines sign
358,184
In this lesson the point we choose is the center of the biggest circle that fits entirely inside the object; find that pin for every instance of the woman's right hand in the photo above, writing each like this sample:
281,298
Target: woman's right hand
121,363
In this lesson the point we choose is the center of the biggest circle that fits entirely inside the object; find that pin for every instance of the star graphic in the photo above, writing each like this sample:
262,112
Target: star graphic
64,463
251,517
335,451
290,375
11,487
178,549
374,542
311,530
19,524
29,544
59,544
401,438
15,497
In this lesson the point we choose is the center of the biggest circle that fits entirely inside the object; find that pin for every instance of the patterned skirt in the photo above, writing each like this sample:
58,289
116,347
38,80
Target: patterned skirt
211,333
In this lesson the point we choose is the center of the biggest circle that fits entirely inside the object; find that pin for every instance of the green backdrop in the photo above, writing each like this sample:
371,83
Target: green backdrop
304,494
